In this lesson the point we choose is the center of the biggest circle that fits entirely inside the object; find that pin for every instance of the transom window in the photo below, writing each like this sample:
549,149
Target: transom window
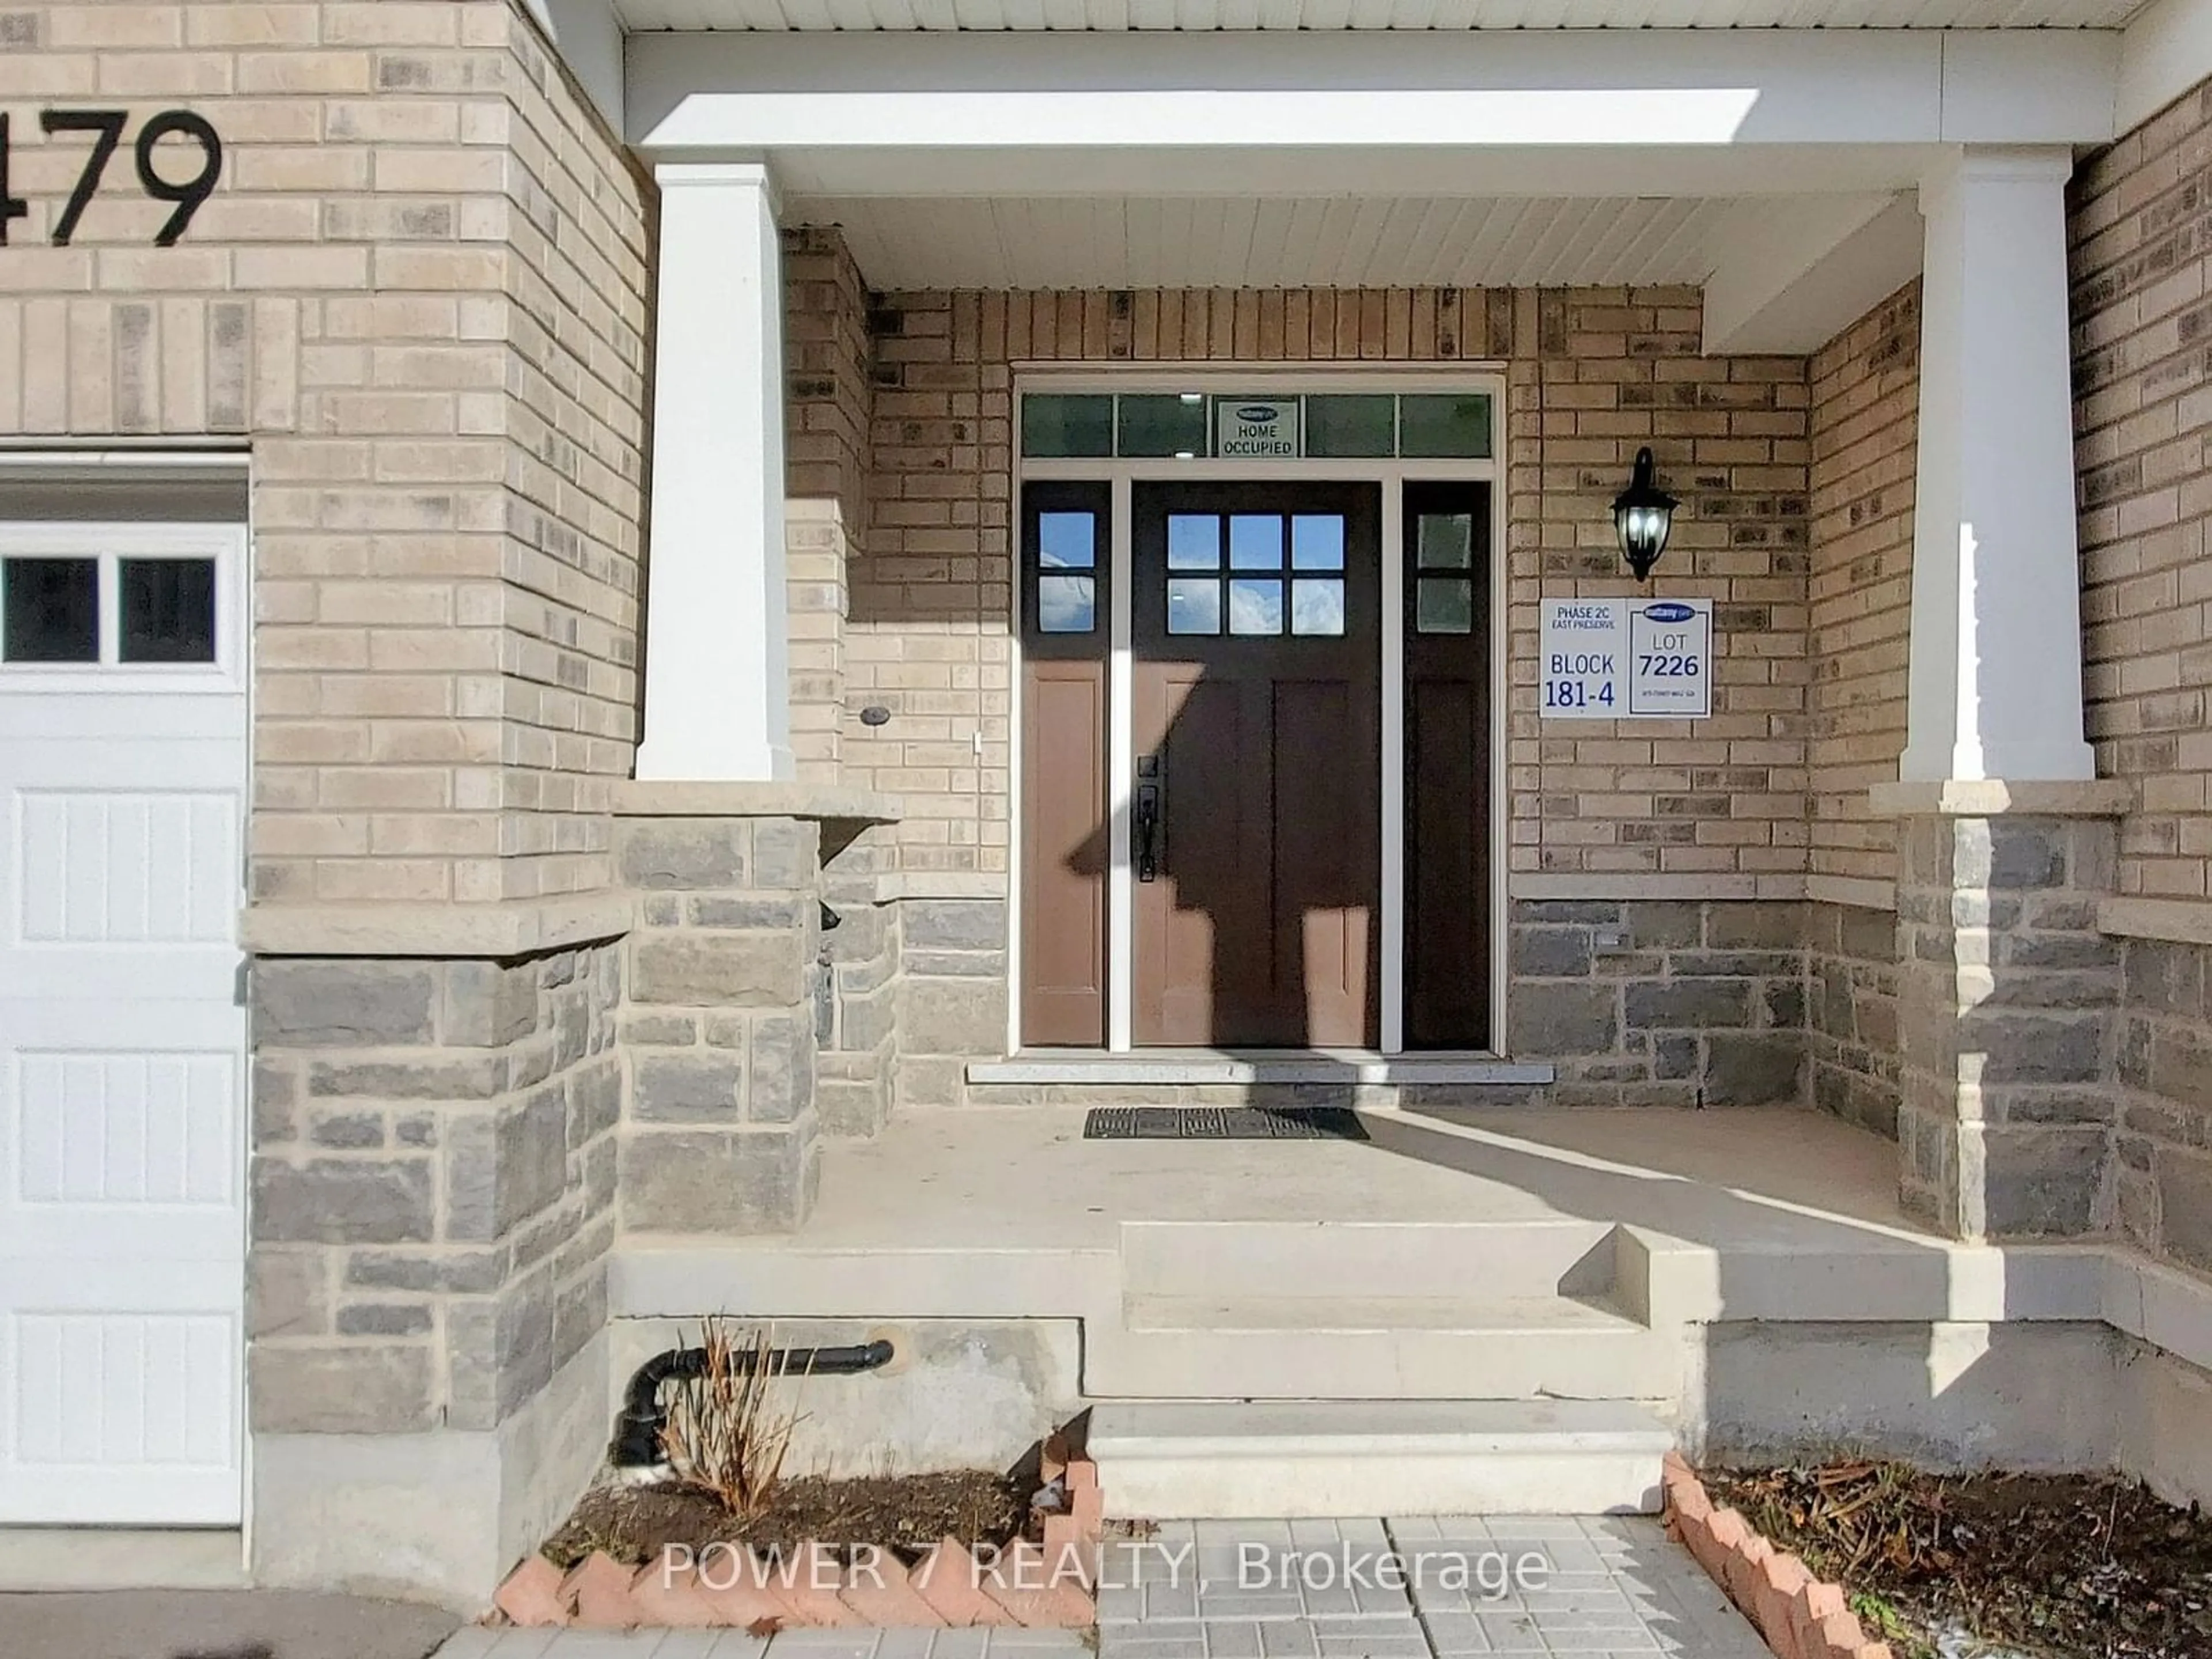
1255,575
1266,426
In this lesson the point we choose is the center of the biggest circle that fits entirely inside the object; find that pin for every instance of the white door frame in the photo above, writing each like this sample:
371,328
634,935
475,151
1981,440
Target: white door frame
1121,476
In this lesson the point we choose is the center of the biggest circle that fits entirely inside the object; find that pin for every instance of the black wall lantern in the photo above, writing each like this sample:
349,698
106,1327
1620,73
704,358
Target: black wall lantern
1643,513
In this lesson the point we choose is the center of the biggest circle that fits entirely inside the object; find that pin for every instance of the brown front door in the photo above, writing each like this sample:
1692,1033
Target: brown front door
1253,823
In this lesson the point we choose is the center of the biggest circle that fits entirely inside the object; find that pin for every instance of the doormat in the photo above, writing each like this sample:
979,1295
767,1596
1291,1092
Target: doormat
1223,1123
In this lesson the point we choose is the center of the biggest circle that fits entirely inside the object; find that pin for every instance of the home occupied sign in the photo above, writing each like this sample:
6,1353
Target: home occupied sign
1628,658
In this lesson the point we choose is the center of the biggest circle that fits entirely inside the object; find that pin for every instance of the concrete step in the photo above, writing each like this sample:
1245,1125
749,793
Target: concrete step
1294,1347
1534,1256
1366,1315
1211,1459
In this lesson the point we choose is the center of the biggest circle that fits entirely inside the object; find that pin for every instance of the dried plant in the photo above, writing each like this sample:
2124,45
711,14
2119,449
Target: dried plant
727,1432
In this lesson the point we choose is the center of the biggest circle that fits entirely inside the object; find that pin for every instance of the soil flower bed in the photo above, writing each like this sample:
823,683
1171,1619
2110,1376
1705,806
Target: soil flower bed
2066,1567
900,1514
961,1548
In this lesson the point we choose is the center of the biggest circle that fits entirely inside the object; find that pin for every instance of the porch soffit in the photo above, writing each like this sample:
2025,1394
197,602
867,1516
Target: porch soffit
1780,273
1217,241
1115,15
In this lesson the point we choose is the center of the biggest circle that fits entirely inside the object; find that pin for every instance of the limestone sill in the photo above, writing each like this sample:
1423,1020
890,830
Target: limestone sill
1989,797
642,799
508,927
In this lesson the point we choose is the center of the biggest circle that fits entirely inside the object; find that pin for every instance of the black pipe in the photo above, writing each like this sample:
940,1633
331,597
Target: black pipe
637,1442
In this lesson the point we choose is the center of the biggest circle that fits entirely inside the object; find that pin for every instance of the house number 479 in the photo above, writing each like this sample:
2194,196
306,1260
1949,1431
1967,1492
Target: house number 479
106,126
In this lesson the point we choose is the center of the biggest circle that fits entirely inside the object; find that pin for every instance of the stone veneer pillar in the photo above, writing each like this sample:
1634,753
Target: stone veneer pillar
734,995
2006,992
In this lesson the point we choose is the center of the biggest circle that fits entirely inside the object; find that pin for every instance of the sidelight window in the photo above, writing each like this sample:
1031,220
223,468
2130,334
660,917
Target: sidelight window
1067,573
1444,552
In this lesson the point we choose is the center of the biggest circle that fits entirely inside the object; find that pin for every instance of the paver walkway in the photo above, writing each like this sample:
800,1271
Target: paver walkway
1398,1588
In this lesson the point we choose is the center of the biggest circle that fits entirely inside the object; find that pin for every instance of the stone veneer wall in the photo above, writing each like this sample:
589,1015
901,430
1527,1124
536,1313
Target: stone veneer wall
2006,992
1852,1013
722,1131
2162,1138
1660,1002
762,1013
433,1200
433,1183
2140,227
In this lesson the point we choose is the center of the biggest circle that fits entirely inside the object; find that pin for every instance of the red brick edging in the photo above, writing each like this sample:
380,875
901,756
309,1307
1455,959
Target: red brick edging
1801,1617
1036,1584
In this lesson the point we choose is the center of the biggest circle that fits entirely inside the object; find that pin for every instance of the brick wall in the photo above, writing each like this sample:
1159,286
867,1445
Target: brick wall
827,366
419,294
1865,421
1593,375
2141,230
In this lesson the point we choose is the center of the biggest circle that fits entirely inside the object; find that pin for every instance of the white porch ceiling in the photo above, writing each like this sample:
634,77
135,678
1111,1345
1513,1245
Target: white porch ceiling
1330,14
1217,241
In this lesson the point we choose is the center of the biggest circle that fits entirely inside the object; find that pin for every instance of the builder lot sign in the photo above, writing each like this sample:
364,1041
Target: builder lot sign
1627,659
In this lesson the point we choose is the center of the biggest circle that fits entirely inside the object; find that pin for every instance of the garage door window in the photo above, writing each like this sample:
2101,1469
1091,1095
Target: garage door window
107,610
168,611
51,608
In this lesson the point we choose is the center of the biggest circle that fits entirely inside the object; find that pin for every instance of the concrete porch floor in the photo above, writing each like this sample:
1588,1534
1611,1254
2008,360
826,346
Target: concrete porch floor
1741,1213
1023,1178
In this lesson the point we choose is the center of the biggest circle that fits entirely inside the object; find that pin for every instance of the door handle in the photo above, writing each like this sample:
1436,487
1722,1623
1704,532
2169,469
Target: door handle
1148,831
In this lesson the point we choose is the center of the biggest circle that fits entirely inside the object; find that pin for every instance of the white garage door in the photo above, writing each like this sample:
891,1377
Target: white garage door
123,766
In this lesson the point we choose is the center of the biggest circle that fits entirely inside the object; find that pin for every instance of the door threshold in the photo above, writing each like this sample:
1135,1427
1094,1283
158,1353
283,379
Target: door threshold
1044,1066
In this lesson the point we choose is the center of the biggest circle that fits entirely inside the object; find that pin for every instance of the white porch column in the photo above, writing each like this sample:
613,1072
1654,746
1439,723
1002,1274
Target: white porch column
717,634
1995,684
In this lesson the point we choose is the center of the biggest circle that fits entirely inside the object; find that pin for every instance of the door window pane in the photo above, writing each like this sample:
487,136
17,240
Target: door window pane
1446,541
168,611
1255,607
1193,541
1345,425
1444,605
1067,604
1444,425
1255,542
1193,604
1317,541
1317,605
1063,424
1163,424
1067,541
51,610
